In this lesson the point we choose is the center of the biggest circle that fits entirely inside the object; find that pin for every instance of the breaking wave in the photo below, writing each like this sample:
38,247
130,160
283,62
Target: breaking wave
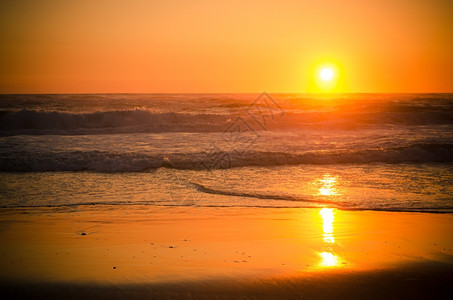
104,161
32,122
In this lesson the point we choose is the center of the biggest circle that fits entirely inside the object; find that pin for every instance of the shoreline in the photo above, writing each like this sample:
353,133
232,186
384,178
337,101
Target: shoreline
71,207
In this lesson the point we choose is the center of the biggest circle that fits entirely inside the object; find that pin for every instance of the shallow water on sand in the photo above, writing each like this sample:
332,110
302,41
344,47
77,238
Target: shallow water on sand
402,187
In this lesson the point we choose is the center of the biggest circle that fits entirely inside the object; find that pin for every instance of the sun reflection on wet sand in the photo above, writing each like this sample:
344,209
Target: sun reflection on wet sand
327,216
328,258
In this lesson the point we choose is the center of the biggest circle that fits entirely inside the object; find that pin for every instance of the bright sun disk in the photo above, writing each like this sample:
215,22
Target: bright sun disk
326,74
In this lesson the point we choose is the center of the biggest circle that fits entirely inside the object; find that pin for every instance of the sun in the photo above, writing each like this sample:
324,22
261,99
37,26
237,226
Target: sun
326,74
326,77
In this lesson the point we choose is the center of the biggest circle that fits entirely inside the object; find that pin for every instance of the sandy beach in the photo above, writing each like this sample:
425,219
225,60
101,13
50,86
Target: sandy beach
215,253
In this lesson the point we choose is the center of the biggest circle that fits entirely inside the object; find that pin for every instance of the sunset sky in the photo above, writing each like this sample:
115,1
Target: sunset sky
174,46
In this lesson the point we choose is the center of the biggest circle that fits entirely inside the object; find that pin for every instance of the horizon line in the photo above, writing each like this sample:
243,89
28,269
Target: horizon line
200,93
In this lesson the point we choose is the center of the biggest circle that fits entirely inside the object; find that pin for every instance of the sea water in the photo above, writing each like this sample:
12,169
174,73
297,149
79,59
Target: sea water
349,151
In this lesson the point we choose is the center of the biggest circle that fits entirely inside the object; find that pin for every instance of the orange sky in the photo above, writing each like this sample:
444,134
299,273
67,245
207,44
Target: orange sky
51,46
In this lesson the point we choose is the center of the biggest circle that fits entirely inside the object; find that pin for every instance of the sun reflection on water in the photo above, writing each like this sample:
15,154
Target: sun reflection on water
327,187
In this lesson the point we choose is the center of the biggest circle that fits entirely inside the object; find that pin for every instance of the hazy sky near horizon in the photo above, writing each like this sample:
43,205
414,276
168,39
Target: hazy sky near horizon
83,46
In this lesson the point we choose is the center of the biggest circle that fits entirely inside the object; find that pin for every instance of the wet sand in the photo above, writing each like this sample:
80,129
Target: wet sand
225,253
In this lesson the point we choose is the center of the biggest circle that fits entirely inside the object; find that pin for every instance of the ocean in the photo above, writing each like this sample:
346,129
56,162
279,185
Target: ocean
391,152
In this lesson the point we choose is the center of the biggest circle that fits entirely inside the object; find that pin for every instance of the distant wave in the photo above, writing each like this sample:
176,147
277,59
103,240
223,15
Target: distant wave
140,120
103,161
122,121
